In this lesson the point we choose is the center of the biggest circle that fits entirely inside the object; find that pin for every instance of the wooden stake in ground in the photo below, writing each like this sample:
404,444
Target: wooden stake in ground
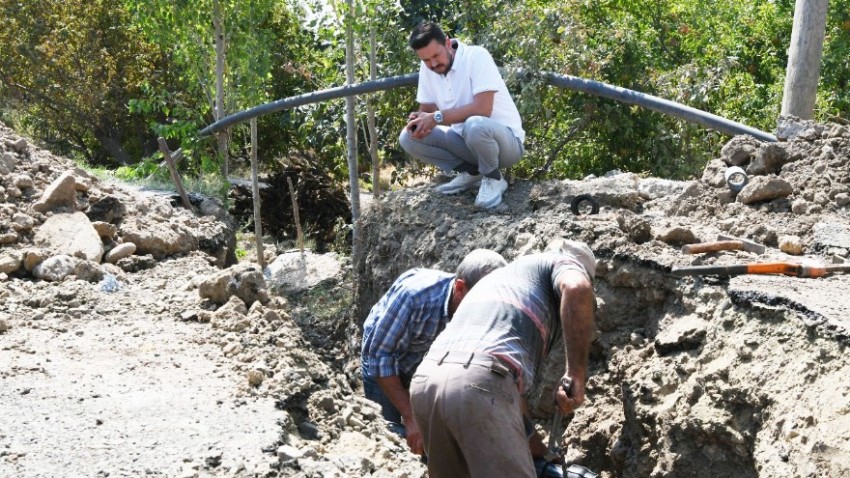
255,190
172,168
295,217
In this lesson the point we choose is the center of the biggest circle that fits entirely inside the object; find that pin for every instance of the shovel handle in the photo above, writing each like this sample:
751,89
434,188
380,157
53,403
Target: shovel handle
785,268
712,247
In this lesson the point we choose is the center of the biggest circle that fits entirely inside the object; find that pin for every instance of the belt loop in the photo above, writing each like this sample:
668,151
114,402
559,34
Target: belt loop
440,362
469,360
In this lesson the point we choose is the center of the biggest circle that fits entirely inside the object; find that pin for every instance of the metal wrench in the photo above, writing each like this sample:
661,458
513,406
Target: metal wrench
553,451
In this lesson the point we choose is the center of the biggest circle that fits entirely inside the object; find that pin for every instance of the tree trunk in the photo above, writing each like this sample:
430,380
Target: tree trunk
804,58
219,109
351,129
370,119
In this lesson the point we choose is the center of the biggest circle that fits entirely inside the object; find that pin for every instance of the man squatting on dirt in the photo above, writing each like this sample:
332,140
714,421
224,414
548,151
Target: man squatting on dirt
468,394
467,121
401,327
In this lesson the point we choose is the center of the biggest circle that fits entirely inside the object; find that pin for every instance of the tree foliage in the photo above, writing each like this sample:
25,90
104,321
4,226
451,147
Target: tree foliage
71,66
89,75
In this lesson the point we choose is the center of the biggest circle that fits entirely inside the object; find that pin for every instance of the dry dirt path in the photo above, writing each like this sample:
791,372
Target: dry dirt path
114,384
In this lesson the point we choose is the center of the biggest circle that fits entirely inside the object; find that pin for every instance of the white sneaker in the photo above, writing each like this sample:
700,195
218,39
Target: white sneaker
461,182
490,194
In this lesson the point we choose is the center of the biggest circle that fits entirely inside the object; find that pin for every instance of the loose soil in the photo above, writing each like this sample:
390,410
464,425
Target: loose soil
691,376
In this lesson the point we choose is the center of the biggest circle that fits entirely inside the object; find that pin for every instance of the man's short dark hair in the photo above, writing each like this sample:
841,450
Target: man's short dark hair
425,33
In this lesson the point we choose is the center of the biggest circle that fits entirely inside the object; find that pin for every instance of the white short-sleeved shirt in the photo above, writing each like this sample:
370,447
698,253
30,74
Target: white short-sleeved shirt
472,72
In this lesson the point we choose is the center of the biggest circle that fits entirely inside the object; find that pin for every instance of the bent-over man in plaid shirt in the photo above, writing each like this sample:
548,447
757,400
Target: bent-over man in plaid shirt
400,328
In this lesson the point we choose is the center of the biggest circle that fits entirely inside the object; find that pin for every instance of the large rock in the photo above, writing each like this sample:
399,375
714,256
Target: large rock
106,209
71,234
159,239
739,150
60,194
245,281
294,271
769,159
764,188
57,268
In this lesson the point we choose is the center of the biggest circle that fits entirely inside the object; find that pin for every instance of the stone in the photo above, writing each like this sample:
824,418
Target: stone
8,162
764,188
22,223
255,378
654,188
677,235
21,146
23,181
70,234
33,257
800,206
159,238
10,262
119,252
241,280
683,333
8,238
739,150
56,268
294,271
105,230
106,209
287,453
60,194
769,159
791,245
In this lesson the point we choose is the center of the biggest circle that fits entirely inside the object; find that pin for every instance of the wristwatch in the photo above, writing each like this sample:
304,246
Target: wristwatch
438,117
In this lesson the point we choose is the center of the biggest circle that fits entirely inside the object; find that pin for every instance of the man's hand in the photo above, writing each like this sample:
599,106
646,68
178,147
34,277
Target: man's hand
414,437
567,403
420,124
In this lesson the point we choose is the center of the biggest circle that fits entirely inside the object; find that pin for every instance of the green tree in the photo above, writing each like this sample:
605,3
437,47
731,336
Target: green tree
70,66
222,61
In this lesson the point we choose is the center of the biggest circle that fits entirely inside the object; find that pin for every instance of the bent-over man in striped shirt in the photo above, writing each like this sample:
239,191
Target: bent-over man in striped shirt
468,394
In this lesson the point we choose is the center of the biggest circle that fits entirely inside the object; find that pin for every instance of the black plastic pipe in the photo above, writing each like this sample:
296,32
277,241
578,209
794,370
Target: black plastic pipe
655,103
568,82
410,79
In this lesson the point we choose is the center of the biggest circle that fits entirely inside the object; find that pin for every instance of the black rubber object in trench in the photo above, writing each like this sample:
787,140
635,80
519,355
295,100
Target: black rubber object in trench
584,204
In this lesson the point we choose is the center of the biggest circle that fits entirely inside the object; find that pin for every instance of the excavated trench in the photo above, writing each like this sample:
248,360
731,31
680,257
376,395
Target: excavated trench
694,376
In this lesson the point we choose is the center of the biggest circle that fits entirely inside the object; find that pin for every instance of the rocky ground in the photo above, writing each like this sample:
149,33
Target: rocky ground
132,345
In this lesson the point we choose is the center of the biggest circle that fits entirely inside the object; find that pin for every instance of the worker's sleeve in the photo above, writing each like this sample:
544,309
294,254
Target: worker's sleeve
563,264
391,337
486,75
425,93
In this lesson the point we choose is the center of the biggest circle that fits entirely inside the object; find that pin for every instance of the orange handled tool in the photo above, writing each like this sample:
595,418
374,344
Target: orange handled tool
784,268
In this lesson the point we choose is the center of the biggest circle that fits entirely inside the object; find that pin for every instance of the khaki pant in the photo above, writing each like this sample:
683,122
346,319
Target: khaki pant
469,413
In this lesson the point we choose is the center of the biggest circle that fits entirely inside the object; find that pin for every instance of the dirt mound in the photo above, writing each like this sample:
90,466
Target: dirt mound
131,352
740,376
159,362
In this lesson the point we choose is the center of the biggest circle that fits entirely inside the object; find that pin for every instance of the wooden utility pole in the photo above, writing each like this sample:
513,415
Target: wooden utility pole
255,191
219,110
351,128
804,58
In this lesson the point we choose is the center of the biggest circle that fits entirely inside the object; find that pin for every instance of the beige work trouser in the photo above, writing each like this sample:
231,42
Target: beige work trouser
471,419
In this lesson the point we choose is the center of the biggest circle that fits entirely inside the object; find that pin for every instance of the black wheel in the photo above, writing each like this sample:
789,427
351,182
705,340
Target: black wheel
584,204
